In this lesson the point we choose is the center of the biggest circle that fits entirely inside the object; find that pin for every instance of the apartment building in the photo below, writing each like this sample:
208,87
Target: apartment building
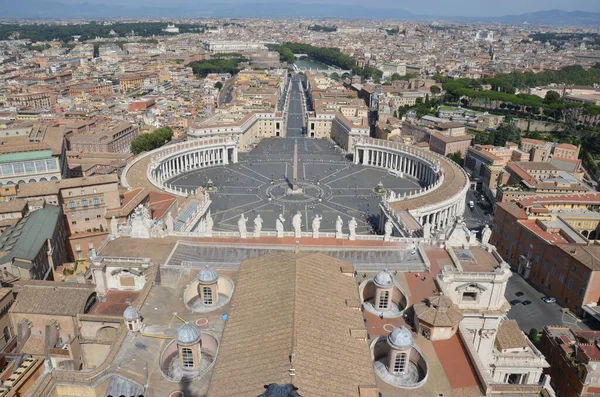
85,201
111,137
537,179
542,151
34,100
548,240
102,89
575,358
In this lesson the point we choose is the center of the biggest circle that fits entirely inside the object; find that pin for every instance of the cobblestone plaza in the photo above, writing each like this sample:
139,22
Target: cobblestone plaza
331,186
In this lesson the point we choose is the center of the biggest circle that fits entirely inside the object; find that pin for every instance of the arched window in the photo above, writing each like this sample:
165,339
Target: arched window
71,204
384,297
207,294
84,202
96,201
400,363
187,357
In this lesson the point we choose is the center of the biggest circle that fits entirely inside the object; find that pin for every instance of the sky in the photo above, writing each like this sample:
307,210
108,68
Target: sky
427,7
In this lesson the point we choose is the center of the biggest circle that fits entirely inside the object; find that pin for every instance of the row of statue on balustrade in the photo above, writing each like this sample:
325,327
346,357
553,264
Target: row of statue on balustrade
141,225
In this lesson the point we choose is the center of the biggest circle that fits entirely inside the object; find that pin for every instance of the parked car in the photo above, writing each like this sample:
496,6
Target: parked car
549,299
525,303
471,204
515,302
519,293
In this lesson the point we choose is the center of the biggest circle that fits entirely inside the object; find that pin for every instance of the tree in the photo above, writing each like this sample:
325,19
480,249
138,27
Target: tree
457,158
534,335
395,77
435,90
552,97
147,142
427,101
506,132
218,85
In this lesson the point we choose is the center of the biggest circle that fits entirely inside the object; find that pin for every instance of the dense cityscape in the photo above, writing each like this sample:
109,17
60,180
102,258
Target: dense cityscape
288,207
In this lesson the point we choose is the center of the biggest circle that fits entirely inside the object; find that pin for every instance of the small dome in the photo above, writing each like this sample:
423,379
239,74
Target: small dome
188,334
208,275
400,338
131,313
383,279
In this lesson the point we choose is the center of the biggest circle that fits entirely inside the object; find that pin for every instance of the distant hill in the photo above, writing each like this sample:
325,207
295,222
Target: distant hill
55,9
545,18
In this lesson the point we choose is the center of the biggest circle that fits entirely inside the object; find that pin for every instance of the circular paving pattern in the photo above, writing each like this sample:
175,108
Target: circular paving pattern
260,183
307,193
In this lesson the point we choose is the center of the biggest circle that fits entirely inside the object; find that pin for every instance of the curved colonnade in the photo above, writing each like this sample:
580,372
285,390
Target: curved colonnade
445,184
173,160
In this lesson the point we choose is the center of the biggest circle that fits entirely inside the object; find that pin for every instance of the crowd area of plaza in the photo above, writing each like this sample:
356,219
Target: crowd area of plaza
150,273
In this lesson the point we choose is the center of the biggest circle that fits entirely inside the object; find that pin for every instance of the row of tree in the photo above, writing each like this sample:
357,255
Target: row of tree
327,55
154,140
217,65
88,31
322,28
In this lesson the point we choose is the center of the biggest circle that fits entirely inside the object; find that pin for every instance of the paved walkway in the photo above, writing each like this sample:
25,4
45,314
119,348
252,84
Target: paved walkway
454,359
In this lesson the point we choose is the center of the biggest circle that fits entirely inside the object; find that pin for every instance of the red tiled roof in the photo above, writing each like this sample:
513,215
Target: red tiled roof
535,228
591,198
591,351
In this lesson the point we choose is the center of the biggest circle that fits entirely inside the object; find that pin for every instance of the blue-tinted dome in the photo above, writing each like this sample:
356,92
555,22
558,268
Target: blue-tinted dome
188,333
131,313
384,279
208,275
401,338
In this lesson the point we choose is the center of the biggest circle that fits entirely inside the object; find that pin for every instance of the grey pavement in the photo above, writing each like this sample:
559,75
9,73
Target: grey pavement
538,313
343,188
480,215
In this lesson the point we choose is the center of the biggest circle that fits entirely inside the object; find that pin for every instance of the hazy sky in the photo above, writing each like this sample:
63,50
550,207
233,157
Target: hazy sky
426,7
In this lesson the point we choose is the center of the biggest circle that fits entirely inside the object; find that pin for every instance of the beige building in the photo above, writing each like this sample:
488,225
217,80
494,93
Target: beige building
446,145
114,137
85,201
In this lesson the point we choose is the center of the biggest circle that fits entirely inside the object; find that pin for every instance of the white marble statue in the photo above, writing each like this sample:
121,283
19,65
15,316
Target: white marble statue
352,227
279,225
209,224
145,215
297,223
257,225
427,230
316,225
242,226
388,229
339,223
140,224
170,223
486,234
114,226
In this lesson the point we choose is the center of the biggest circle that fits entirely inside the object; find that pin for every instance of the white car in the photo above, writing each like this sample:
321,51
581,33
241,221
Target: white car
549,299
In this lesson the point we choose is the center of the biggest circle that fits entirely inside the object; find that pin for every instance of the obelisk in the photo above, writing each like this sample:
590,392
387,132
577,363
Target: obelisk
295,171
